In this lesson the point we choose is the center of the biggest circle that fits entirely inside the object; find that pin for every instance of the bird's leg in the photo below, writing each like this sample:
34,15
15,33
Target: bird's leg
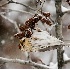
28,57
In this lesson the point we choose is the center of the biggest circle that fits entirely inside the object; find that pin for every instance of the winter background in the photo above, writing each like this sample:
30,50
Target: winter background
9,44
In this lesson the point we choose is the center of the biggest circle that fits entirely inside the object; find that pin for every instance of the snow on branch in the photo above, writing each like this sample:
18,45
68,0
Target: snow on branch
66,58
65,10
41,66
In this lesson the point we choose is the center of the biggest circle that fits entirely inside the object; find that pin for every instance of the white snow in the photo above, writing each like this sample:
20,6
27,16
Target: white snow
53,66
11,38
65,57
64,9
2,42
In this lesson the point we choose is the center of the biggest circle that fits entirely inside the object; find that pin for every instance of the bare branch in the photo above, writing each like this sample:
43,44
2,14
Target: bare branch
23,5
54,47
4,4
15,24
66,12
11,1
21,11
48,48
24,62
8,10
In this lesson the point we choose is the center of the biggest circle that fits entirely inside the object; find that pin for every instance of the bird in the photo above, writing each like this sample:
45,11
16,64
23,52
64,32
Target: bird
40,39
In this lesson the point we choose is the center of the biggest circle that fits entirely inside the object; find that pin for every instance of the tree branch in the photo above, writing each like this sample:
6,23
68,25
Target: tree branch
4,4
11,1
66,12
58,30
20,11
11,21
24,62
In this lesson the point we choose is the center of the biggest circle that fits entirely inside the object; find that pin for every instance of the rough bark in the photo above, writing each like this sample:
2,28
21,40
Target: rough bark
58,30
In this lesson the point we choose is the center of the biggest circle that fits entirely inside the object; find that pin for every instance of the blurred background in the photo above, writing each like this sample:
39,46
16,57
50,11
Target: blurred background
9,44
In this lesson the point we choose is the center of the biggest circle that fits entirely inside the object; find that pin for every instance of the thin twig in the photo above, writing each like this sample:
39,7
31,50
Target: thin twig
52,20
19,4
66,12
15,24
40,9
8,10
21,11
4,4
24,5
